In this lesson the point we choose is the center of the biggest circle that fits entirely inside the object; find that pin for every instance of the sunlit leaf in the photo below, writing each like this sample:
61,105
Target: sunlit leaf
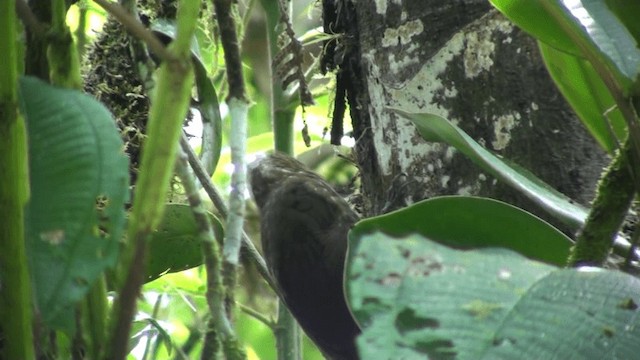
532,17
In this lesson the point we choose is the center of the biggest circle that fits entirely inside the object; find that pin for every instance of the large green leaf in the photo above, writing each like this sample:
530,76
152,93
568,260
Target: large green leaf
600,34
584,28
436,128
417,299
628,12
532,17
587,95
79,184
176,244
471,222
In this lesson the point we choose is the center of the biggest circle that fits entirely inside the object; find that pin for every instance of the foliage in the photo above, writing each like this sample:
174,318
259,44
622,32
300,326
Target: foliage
447,277
592,52
417,298
79,186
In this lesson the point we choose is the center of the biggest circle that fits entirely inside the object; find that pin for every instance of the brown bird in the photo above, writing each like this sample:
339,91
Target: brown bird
304,225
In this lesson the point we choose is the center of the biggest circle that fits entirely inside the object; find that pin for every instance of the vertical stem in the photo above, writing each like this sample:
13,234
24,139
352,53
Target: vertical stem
238,108
62,54
282,108
96,315
219,331
169,106
288,334
81,31
615,193
15,296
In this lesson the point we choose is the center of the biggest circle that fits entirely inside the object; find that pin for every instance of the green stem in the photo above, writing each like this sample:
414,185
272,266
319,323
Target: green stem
283,110
62,54
238,109
288,334
169,107
96,317
81,31
615,193
15,297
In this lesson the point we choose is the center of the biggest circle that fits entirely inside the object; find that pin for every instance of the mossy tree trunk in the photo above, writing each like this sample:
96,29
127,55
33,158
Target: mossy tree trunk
465,62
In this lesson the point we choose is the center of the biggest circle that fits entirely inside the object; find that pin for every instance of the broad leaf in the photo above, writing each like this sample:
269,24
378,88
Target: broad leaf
587,95
436,128
583,28
627,11
532,17
472,222
596,30
417,299
79,184
176,245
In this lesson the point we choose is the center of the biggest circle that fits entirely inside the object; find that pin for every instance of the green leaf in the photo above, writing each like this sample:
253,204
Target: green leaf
627,11
596,30
587,95
417,299
79,184
473,222
176,245
436,128
533,18
583,27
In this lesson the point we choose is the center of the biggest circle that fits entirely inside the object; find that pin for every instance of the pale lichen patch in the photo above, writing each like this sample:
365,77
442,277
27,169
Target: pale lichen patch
502,126
419,93
398,65
402,35
480,47
477,55
381,7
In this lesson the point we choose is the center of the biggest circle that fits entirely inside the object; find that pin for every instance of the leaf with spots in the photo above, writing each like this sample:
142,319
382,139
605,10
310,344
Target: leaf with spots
487,303
79,184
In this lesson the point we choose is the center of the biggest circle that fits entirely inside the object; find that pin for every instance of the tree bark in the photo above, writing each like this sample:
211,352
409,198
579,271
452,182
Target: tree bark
465,62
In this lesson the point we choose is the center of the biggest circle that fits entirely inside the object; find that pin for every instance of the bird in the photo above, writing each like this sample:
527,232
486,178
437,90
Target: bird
304,224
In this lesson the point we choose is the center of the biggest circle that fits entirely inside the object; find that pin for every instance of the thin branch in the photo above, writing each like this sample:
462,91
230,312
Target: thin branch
29,19
136,29
218,202
229,40
218,323
258,316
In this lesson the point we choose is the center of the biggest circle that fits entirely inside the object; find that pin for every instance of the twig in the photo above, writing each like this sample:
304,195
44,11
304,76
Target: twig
218,322
137,29
26,15
218,202
258,316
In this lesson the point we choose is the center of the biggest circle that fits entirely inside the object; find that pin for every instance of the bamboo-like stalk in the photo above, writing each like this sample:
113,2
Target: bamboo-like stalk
170,104
15,291
288,334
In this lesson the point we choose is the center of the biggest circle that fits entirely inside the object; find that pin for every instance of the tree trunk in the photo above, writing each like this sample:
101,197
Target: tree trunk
465,62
